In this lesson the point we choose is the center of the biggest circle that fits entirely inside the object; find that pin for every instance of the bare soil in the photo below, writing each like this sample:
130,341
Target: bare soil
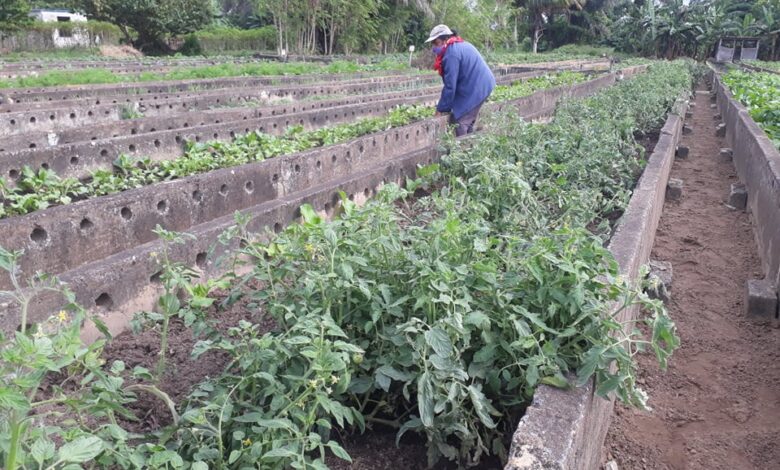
182,371
718,405
120,52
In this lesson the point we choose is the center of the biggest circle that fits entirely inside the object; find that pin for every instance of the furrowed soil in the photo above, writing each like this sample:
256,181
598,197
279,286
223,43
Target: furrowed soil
718,405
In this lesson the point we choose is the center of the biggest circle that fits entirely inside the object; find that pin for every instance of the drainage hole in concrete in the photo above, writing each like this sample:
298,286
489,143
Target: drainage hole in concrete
319,164
104,153
197,196
32,120
51,117
277,227
126,213
162,207
366,192
275,178
86,224
73,115
13,122
155,278
249,187
223,190
297,168
32,146
13,174
333,158
104,301
132,148
157,143
39,235
45,166
90,113
200,259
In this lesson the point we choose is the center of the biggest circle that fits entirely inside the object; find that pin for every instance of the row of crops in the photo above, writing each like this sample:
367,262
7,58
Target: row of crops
433,309
37,190
760,93
103,76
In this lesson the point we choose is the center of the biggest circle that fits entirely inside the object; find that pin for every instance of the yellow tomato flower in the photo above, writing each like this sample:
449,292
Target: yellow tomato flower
246,442
62,316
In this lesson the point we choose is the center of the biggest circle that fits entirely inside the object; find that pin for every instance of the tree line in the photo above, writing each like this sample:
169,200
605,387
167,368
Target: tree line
660,28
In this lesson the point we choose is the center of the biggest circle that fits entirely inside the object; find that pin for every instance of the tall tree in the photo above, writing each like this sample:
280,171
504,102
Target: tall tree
540,13
152,20
14,14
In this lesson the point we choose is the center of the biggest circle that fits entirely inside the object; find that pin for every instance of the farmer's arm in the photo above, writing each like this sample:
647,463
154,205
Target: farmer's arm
451,69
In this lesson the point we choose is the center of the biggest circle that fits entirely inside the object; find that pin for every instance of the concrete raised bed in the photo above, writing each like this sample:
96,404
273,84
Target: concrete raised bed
574,65
94,229
249,84
146,124
758,165
565,429
28,95
79,114
123,282
79,158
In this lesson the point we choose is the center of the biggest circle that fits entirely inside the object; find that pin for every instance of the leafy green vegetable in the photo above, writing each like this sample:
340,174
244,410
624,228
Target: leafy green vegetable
760,92
37,190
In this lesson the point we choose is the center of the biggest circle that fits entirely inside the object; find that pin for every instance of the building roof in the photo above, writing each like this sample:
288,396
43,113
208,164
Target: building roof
53,10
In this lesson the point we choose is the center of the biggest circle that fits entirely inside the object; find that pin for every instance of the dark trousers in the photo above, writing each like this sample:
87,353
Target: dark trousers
465,123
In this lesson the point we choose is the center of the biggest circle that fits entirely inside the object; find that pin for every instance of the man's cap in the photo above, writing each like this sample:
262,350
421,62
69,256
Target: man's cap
439,30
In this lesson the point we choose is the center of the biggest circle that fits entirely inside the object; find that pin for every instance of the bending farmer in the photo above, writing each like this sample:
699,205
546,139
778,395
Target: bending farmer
468,80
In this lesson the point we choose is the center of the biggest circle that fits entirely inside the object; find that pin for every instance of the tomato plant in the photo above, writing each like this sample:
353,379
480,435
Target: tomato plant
441,315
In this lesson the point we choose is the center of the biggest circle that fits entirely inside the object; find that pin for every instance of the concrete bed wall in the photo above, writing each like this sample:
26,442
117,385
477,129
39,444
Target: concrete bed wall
43,94
758,165
79,114
41,129
249,84
97,228
76,64
80,159
565,429
140,126
123,282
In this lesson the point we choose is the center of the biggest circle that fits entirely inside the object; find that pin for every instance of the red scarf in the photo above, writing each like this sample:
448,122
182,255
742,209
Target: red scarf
437,64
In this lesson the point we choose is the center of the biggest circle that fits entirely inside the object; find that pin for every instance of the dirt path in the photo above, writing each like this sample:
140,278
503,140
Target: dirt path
718,405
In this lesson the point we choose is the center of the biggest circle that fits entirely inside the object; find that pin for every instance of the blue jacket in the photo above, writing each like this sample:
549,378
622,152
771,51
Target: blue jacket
468,80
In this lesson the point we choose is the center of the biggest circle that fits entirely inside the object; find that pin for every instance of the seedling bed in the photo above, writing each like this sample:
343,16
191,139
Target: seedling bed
131,270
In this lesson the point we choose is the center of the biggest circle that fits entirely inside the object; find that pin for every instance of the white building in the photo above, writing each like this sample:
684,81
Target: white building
50,15
64,37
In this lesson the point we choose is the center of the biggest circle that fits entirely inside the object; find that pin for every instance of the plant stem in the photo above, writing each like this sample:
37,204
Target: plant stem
163,346
10,460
